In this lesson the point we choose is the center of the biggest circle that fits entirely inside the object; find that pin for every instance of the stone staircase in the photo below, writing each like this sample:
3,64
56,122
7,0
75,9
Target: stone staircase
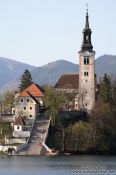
37,138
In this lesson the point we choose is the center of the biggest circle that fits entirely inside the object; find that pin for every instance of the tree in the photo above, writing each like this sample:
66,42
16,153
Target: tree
114,91
83,99
81,137
54,102
5,131
104,127
105,89
26,80
7,102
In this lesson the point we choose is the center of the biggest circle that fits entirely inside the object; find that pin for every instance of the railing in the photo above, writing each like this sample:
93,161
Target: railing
45,137
47,148
47,131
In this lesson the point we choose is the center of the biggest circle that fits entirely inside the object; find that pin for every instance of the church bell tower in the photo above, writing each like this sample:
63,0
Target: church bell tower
87,70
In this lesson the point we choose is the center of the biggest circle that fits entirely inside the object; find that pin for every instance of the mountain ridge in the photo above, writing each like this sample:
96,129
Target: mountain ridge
11,70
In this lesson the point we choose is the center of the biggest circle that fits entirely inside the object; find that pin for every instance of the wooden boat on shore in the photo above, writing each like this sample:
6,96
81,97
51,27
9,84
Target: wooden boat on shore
67,154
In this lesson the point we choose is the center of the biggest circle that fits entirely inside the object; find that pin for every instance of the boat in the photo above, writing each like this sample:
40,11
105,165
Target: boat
67,154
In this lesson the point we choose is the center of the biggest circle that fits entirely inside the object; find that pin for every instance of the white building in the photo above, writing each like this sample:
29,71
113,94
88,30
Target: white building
27,103
26,108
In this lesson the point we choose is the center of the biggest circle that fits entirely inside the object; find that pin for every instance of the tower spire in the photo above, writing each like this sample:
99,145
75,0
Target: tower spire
86,44
87,18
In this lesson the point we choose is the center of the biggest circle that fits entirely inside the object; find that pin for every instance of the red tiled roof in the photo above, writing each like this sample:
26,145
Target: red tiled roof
33,89
18,121
68,81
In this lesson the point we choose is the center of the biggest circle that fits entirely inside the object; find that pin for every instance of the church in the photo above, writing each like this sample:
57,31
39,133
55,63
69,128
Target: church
81,85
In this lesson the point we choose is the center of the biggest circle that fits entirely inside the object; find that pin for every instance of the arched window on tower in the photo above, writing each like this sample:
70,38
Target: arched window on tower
86,73
86,60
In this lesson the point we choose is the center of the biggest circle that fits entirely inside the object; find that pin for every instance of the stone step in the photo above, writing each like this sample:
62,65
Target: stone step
37,137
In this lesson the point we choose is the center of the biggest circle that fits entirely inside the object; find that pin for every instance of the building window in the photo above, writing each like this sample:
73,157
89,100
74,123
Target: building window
86,73
30,108
24,108
86,60
17,127
14,111
21,100
26,138
86,80
30,116
27,100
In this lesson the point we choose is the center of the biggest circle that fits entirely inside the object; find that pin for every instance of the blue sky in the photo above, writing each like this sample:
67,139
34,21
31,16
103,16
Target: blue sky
40,31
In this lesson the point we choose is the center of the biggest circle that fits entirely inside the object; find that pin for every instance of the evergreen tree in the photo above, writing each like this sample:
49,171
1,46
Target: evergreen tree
105,89
26,80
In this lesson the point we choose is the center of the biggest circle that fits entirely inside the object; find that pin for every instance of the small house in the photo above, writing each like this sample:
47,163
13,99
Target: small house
28,102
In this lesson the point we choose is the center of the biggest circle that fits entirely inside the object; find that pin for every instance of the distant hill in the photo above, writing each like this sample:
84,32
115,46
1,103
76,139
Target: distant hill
50,73
106,64
10,71
10,85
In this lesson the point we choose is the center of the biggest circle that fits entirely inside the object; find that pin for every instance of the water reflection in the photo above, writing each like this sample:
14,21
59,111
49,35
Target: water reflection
61,165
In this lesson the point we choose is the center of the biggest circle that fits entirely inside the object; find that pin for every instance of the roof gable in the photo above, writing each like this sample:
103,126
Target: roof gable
33,89
68,81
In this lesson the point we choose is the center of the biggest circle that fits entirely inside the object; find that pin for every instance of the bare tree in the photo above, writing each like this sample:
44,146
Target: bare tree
83,100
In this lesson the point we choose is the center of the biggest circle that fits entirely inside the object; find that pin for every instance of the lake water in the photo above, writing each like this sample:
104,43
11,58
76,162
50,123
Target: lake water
60,165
